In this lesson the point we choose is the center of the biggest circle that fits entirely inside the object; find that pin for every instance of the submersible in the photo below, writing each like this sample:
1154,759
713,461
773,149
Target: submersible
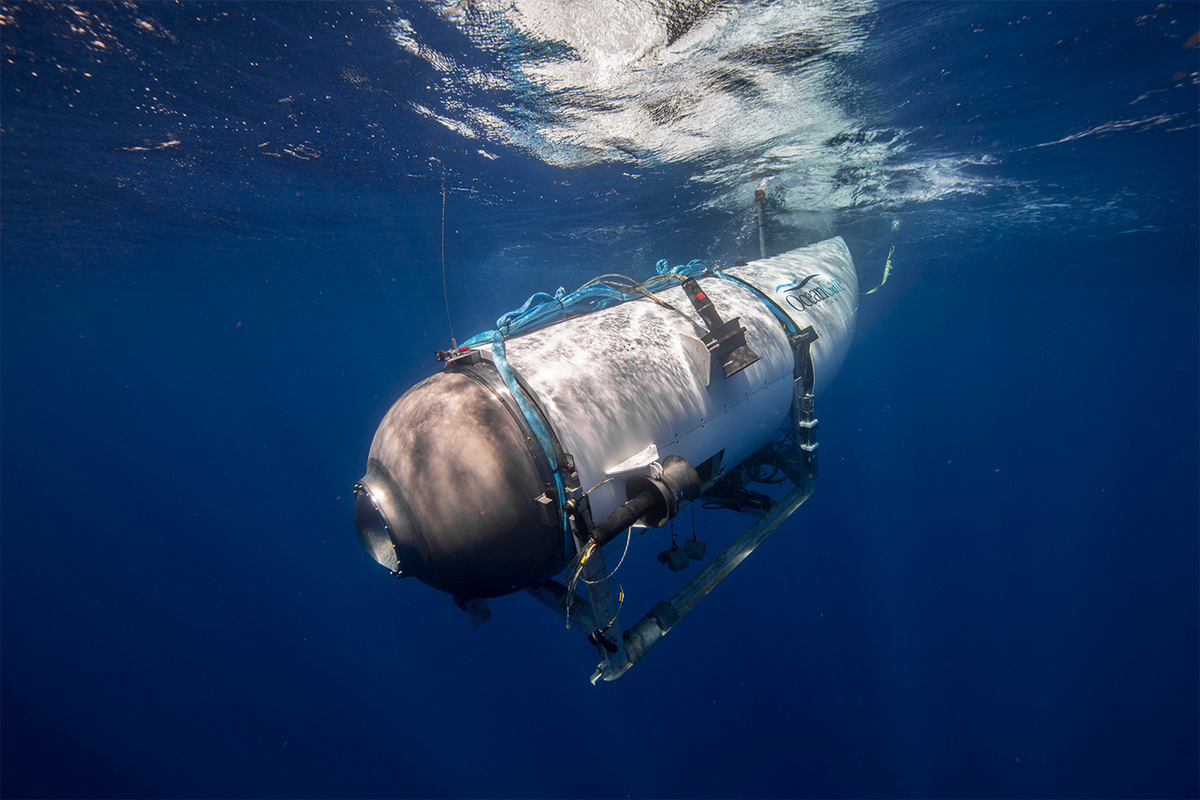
583,414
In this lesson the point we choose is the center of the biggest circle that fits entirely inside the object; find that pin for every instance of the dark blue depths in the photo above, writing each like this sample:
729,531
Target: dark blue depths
992,592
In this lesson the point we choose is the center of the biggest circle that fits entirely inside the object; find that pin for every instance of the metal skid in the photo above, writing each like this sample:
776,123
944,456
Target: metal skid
597,611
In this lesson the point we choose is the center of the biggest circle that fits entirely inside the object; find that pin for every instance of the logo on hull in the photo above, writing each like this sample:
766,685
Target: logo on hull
803,296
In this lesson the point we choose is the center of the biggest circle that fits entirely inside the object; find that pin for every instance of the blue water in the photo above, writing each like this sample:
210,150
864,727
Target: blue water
221,263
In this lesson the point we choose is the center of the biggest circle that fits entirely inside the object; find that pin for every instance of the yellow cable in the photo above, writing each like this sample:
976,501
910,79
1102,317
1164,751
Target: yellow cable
887,270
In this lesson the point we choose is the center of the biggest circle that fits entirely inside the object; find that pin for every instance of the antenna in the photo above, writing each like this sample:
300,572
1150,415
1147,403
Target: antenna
445,295
760,200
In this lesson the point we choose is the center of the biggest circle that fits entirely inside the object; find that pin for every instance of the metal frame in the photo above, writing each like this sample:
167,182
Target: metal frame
598,612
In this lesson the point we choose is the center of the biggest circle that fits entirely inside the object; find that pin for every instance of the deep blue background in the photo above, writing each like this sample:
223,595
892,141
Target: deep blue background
993,591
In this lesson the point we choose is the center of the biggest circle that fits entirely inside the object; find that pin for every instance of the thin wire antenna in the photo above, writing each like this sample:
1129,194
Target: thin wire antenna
445,294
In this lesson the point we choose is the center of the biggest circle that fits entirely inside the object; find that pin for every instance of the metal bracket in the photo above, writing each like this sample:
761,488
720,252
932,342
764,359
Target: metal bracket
644,462
726,339
804,414
462,357
476,608
596,614
666,614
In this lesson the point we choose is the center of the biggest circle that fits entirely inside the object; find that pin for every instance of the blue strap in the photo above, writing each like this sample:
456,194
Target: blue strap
788,323
534,418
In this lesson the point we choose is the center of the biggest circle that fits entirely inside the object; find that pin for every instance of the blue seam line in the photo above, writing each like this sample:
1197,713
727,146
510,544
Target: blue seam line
500,361
789,324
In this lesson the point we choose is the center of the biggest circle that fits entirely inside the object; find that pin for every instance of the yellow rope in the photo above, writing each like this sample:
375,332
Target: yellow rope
887,270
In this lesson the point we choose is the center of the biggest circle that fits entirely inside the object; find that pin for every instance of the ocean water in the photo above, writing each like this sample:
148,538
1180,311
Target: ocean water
221,261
